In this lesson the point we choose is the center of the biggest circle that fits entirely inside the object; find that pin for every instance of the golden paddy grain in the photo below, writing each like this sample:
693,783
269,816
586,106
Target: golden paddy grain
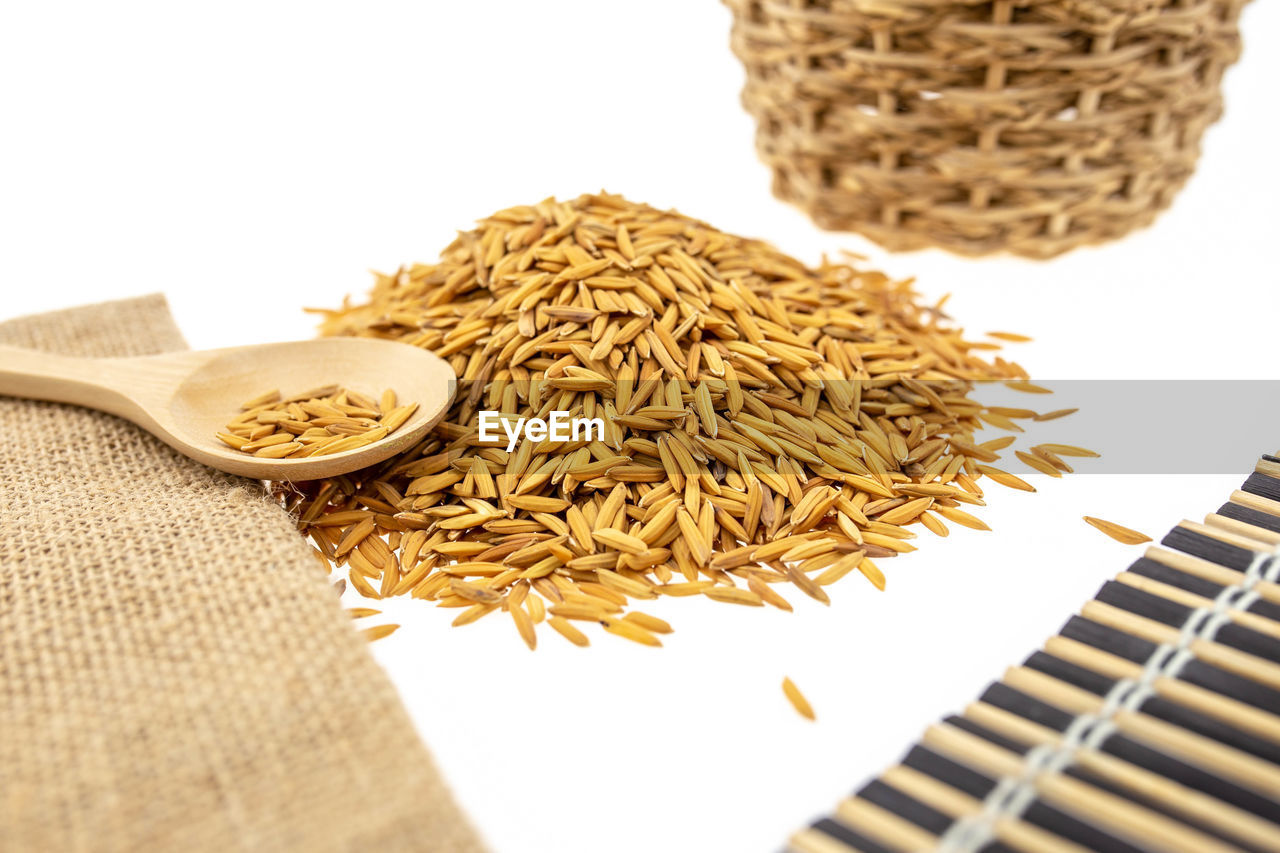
318,422
768,425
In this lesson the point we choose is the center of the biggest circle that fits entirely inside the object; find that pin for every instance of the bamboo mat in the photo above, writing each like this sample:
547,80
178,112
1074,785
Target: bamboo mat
1151,722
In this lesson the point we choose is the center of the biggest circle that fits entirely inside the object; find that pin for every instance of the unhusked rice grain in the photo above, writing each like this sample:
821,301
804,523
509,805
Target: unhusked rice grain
765,422
319,422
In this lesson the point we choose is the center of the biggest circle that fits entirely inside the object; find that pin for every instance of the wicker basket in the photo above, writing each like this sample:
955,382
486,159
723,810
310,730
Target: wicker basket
1031,126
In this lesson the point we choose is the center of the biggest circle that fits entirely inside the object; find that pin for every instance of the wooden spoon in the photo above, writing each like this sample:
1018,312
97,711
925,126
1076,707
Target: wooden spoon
183,398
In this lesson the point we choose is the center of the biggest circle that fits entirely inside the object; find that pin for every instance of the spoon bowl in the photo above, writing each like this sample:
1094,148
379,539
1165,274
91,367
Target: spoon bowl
184,398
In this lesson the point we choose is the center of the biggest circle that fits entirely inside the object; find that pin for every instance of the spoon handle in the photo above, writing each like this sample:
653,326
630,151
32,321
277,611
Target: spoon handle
57,378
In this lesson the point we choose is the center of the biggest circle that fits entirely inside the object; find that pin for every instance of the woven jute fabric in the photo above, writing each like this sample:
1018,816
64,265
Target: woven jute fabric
1031,126
175,674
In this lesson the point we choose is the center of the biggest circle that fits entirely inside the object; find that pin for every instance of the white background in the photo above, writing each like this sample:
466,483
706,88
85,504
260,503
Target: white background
251,158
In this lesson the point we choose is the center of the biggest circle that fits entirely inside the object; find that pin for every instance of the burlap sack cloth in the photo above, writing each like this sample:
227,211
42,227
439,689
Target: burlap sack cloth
175,674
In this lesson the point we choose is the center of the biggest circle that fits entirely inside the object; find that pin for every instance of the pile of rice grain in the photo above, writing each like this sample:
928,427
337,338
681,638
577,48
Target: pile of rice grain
767,424
319,422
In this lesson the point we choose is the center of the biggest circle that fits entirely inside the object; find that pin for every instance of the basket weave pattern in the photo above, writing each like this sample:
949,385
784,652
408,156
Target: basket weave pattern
1031,126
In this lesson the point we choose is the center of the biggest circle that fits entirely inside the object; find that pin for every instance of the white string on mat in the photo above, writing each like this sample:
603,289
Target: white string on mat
1012,795
1263,568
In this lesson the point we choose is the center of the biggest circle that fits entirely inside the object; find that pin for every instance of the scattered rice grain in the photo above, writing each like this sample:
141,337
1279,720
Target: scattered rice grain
797,700
1118,532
